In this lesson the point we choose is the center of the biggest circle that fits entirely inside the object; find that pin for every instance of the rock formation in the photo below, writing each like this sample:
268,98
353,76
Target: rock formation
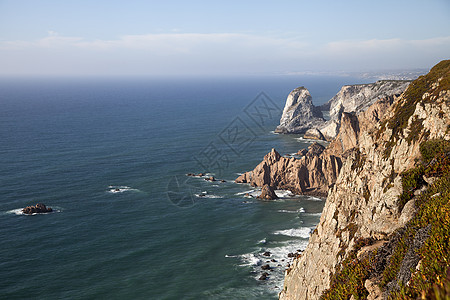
366,206
37,209
299,113
301,116
267,193
310,174
357,98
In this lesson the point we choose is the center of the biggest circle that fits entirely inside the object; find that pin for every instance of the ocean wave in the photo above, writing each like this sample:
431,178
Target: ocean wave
206,195
314,214
312,198
250,259
278,258
263,241
117,189
284,193
246,192
281,252
249,194
300,210
302,232
302,139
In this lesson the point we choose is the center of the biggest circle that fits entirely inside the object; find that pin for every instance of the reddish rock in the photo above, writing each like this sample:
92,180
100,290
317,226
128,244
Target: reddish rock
313,172
267,193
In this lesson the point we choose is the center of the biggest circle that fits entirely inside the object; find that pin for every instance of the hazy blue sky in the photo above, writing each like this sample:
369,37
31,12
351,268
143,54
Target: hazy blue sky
40,37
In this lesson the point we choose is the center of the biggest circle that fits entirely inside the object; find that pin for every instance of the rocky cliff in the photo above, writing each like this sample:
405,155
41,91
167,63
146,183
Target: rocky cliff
357,98
299,113
301,116
312,173
317,167
389,202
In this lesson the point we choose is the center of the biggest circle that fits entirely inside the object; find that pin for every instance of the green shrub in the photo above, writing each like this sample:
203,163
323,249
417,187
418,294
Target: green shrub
432,148
432,278
350,278
411,181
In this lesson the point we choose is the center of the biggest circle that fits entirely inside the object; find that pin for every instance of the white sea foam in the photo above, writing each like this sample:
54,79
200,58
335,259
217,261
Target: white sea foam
19,212
210,196
263,241
284,193
312,198
250,259
301,139
277,260
251,193
300,210
281,252
314,214
302,232
117,189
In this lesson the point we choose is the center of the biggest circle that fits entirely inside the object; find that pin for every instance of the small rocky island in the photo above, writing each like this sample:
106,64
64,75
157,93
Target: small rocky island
36,209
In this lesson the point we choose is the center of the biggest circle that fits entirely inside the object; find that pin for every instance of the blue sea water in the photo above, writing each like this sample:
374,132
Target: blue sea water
110,157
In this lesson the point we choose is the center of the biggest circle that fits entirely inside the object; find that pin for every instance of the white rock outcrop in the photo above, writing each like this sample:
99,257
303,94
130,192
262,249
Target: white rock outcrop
357,98
299,113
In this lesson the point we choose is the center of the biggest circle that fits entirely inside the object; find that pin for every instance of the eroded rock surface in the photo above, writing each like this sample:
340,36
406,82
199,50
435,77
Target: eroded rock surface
299,113
376,145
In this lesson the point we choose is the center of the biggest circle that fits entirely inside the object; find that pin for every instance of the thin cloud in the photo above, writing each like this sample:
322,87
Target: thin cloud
216,53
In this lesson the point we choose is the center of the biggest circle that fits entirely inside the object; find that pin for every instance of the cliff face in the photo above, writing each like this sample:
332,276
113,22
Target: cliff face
357,98
299,113
318,167
301,116
377,145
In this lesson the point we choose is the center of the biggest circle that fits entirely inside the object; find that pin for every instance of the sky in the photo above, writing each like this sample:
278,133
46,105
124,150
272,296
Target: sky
213,38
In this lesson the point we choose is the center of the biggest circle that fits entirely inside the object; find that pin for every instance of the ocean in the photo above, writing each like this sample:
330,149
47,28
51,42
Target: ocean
111,155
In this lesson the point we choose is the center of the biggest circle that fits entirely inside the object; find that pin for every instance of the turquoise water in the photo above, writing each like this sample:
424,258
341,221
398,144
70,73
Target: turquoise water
110,156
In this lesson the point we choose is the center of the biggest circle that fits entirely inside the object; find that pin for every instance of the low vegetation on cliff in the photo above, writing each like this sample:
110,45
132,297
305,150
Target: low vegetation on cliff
431,278
385,228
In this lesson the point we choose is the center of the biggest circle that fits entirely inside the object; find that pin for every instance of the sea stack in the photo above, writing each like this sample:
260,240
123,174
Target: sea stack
299,113
267,193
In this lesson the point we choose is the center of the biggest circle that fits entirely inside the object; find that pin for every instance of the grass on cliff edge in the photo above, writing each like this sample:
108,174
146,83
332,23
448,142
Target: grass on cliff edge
432,279
413,95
